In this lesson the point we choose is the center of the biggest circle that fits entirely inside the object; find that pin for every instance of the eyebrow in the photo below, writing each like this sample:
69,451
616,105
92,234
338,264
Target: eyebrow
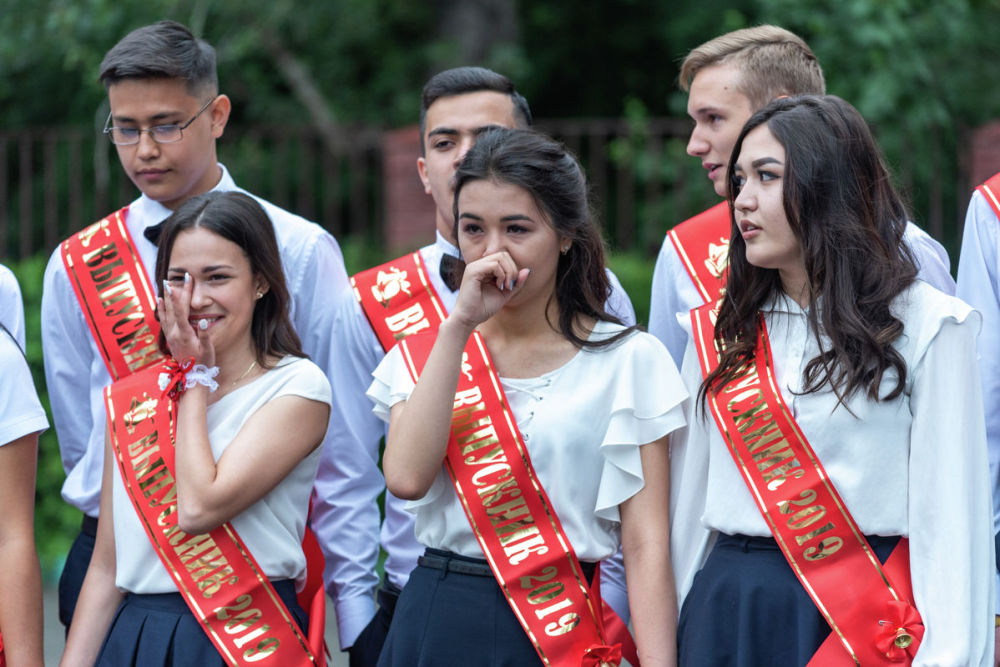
152,119
760,162
207,269
507,218
450,130
701,111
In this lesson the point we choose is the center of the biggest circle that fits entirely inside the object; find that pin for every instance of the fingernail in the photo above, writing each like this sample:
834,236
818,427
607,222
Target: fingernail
166,288
187,277
203,324
510,285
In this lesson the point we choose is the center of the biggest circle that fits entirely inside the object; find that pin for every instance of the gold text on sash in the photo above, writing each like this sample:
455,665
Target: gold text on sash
771,453
205,564
119,299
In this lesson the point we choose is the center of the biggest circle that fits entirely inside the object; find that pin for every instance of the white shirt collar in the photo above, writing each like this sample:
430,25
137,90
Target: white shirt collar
444,245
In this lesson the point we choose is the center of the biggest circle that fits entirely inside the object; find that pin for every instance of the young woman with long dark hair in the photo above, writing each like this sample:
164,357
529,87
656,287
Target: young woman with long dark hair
242,413
528,365
836,450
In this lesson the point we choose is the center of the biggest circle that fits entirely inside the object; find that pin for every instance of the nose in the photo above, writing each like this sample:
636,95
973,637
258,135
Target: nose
494,242
147,148
745,199
199,296
465,143
697,146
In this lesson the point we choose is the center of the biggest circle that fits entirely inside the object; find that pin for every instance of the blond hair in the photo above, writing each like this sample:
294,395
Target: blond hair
773,62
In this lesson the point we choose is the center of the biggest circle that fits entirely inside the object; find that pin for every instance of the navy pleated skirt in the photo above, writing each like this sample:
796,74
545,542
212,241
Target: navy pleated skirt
450,619
746,608
161,631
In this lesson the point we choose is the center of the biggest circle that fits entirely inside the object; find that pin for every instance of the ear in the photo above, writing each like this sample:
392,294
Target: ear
220,110
261,286
422,171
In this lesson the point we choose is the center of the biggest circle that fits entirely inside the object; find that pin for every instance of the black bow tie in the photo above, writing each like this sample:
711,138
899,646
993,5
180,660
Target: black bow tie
451,270
153,233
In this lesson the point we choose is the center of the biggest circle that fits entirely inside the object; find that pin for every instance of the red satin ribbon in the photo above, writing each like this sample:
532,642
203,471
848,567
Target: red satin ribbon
900,633
598,655
175,372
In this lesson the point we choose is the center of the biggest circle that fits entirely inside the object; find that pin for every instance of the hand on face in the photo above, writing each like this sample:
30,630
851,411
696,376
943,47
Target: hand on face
184,339
487,285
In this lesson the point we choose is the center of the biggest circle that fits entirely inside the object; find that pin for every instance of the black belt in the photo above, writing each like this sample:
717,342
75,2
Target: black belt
437,559
89,525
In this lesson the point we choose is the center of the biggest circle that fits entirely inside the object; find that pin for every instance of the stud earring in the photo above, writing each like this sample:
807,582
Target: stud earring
564,249
260,294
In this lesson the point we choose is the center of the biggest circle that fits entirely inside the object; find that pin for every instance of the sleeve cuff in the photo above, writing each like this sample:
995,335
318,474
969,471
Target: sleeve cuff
353,615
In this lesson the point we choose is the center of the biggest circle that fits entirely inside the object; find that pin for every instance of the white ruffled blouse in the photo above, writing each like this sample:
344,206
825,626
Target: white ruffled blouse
583,424
914,466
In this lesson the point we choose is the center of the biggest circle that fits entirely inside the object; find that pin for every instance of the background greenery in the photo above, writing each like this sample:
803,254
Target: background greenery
919,70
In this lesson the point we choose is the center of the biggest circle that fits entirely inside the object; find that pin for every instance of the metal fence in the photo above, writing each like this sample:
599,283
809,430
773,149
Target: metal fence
55,181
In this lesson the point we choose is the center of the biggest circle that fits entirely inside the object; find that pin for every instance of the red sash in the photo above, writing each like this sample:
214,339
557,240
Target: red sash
217,576
991,190
512,517
115,296
398,299
702,243
867,605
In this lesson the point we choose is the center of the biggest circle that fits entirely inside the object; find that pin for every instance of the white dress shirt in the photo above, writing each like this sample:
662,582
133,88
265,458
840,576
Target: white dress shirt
345,515
272,527
979,286
674,294
11,305
914,466
21,412
589,416
75,371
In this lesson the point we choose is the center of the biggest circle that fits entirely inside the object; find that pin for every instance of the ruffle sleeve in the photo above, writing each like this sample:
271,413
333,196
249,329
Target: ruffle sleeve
391,384
647,404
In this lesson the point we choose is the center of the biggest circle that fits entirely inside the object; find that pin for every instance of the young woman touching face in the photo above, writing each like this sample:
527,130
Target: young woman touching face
591,400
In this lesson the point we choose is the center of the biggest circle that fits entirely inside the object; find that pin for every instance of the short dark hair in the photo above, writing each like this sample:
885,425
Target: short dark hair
163,50
551,174
461,80
239,218
849,221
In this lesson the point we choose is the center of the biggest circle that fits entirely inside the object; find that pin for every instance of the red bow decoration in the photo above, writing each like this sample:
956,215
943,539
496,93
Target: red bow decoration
172,379
899,635
597,655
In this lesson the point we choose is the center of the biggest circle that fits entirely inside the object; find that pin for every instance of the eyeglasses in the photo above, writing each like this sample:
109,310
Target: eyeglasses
161,134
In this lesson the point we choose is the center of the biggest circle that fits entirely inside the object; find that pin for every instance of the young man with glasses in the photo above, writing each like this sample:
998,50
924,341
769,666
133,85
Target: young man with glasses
97,312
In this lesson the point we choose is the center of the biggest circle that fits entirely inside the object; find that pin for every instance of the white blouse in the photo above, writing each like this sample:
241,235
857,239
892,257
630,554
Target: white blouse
915,466
583,424
20,411
272,528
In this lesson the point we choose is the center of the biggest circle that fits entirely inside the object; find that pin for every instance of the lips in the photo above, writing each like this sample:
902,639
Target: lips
151,174
747,228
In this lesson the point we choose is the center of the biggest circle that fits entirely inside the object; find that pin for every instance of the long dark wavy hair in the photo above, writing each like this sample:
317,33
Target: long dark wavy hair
553,177
238,218
848,218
